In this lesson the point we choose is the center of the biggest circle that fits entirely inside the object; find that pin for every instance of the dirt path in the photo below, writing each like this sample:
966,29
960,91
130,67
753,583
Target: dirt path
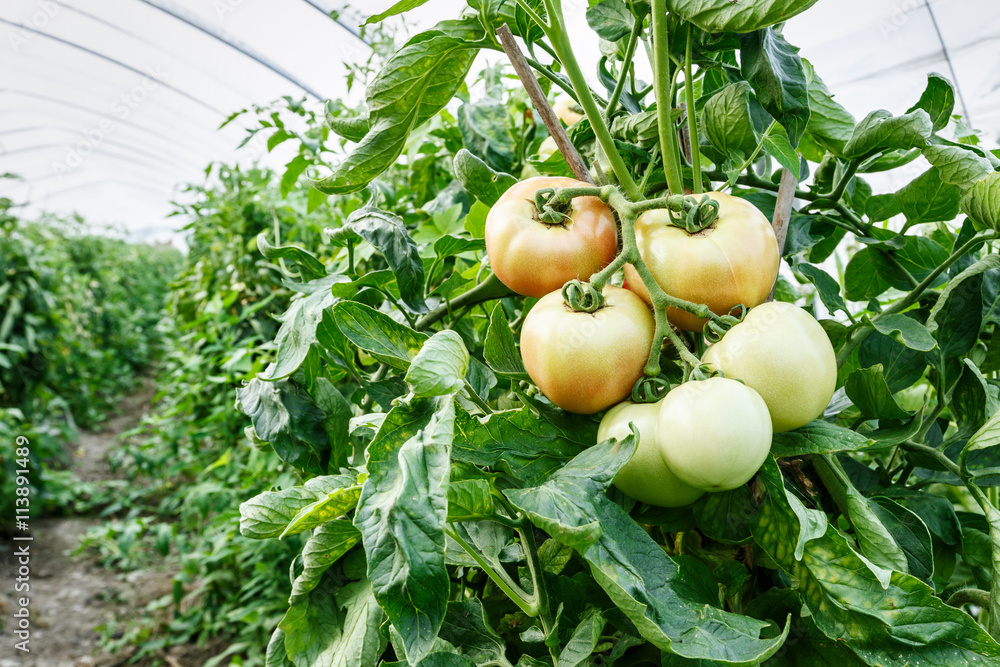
70,596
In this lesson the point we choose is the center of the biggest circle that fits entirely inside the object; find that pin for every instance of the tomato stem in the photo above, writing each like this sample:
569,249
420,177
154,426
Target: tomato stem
633,40
662,86
556,32
692,114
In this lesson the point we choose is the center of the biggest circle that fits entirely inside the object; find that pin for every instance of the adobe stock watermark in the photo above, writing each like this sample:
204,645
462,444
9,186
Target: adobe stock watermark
898,17
121,108
22,548
223,7
47,10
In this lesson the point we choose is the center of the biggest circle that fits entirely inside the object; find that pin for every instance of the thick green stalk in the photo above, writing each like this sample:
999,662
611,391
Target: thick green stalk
527,603
633,40
692,114
556,32
488,290
662,86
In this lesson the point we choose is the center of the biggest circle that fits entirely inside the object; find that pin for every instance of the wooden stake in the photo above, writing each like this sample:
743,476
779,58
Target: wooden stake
783,212
541,104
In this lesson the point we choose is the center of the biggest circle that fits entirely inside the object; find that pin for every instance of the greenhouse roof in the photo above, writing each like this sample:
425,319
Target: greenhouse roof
108,107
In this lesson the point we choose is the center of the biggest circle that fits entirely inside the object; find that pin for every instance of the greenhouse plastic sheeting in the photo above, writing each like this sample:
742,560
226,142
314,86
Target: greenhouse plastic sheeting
108,107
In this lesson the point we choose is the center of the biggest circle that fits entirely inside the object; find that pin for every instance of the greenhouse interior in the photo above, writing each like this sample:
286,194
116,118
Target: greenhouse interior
499,333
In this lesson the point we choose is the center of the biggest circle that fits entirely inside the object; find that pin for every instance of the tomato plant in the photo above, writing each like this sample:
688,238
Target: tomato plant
458,506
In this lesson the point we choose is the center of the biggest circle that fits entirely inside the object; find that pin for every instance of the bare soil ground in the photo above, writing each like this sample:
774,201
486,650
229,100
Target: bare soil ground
72,596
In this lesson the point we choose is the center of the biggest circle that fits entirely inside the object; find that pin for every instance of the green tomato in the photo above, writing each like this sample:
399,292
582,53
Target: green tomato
646,477
713,434
783,353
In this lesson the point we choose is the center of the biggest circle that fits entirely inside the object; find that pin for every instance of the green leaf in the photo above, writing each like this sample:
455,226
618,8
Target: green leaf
401,516
958,166
729,16
919,255
958,321
986,438
830,124
861,280
299,325
337,422
353,128
309,267
904,329
483,126
412,87
334,505
475,221
335,626
726,120
910,533
935,511
938,100
500,350
268,514
469,500
450,245
881,131
386,232
987,263
378,334
477,177
882,207
440,366
285,416
902,624
724,516
812,524
467,627
610,19
399,8
774,69
583,641
826,286
293,170
276,656
639,577
778,147
902,366
526,443
325,547
927,198
867,388
982,203
820,437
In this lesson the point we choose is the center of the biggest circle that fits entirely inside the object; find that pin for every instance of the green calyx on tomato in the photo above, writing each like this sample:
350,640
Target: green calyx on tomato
714,434
586,362
646,477
733,261
535,257
784,354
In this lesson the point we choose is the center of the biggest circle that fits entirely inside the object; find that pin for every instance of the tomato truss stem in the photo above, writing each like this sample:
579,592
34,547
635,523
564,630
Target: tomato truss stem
555,30
663,89
692,114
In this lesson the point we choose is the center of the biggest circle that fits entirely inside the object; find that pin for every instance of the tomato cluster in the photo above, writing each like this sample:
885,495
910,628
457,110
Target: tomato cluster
776,369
